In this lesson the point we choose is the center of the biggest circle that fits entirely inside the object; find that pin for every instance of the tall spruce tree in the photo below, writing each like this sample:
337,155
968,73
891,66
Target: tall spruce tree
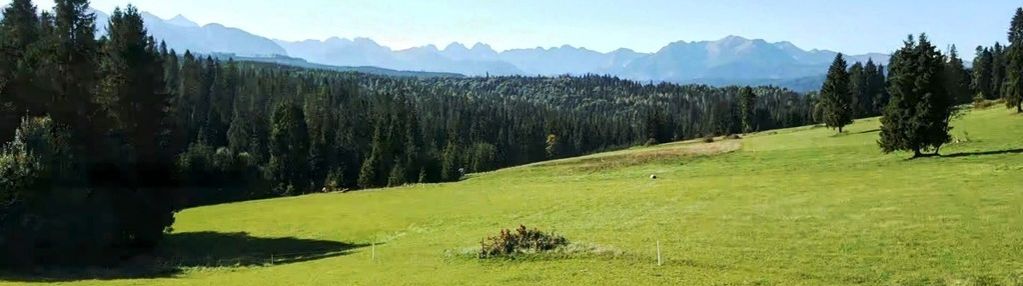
747,106
957,78
74,52
998,70
835,95
875,91
917,117
20,31
982,66
858,88
1013,87
289,149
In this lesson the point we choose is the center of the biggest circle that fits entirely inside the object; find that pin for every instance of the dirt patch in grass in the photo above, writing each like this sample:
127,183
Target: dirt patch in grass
661,153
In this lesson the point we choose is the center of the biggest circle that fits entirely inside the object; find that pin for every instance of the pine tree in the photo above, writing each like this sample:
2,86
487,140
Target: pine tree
998,70
875,92
74,51
957,78
451,162
1013,89
397,175
983,64
879,88
835,95
133,87
747,106
917,118
289,148
860,96
19,35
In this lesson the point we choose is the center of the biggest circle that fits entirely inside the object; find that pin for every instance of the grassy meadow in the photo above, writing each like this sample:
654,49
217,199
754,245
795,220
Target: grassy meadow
800,206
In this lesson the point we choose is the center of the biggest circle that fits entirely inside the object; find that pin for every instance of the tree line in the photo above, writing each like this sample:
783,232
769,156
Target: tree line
924,90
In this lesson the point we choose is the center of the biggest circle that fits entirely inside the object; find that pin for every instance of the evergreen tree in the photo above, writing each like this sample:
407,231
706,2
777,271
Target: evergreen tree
747,106
983,64
998,71
835,96
20,32
957,78
1013,89
397,175
875,89
73,51
450,165
917,118
860,96
133,86
289,148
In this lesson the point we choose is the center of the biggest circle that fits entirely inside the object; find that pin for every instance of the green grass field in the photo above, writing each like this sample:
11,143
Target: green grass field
799,206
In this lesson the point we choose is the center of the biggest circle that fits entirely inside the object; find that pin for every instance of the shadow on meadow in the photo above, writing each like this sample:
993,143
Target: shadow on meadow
985,153
179,251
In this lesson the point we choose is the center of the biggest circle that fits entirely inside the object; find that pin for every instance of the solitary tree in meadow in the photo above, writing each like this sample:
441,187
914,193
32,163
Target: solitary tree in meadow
835,96
917,117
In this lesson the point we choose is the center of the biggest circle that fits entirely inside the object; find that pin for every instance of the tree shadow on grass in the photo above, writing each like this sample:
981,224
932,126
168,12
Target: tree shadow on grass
868,131
984,153
196,249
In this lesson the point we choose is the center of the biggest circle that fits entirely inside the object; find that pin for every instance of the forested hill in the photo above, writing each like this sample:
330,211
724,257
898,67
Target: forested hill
356,130
296,62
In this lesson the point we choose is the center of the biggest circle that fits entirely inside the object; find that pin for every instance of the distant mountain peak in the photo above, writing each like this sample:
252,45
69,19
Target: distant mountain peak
455,46
481,47
733,38
181,21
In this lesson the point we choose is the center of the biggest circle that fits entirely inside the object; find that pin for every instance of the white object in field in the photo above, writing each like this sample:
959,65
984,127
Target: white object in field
658,253
653,177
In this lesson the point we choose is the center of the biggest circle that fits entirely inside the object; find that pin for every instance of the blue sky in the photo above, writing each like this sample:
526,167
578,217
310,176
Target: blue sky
644,25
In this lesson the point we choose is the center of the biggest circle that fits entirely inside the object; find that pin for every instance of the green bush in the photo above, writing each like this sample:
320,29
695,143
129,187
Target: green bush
521,241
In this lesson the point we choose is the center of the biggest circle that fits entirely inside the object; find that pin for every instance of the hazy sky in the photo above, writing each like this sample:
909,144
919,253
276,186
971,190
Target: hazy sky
644,25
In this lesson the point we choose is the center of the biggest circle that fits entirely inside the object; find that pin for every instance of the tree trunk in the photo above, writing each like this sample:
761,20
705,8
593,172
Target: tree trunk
840,130
917,154
1019,107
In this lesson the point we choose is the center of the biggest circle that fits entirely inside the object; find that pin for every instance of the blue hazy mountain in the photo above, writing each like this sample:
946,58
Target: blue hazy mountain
731,60
182,34
727,61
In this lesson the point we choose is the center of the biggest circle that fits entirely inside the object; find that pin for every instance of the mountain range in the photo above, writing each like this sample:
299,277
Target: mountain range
727,61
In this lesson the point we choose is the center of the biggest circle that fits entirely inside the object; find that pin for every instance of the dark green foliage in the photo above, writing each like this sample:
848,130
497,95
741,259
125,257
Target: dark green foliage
482,157
998,70
867,89
836,99
521,241
1013,87
19,47
747,106
877,89
102,187
218,175
289,150
983,63
957,79
450,166
917,118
